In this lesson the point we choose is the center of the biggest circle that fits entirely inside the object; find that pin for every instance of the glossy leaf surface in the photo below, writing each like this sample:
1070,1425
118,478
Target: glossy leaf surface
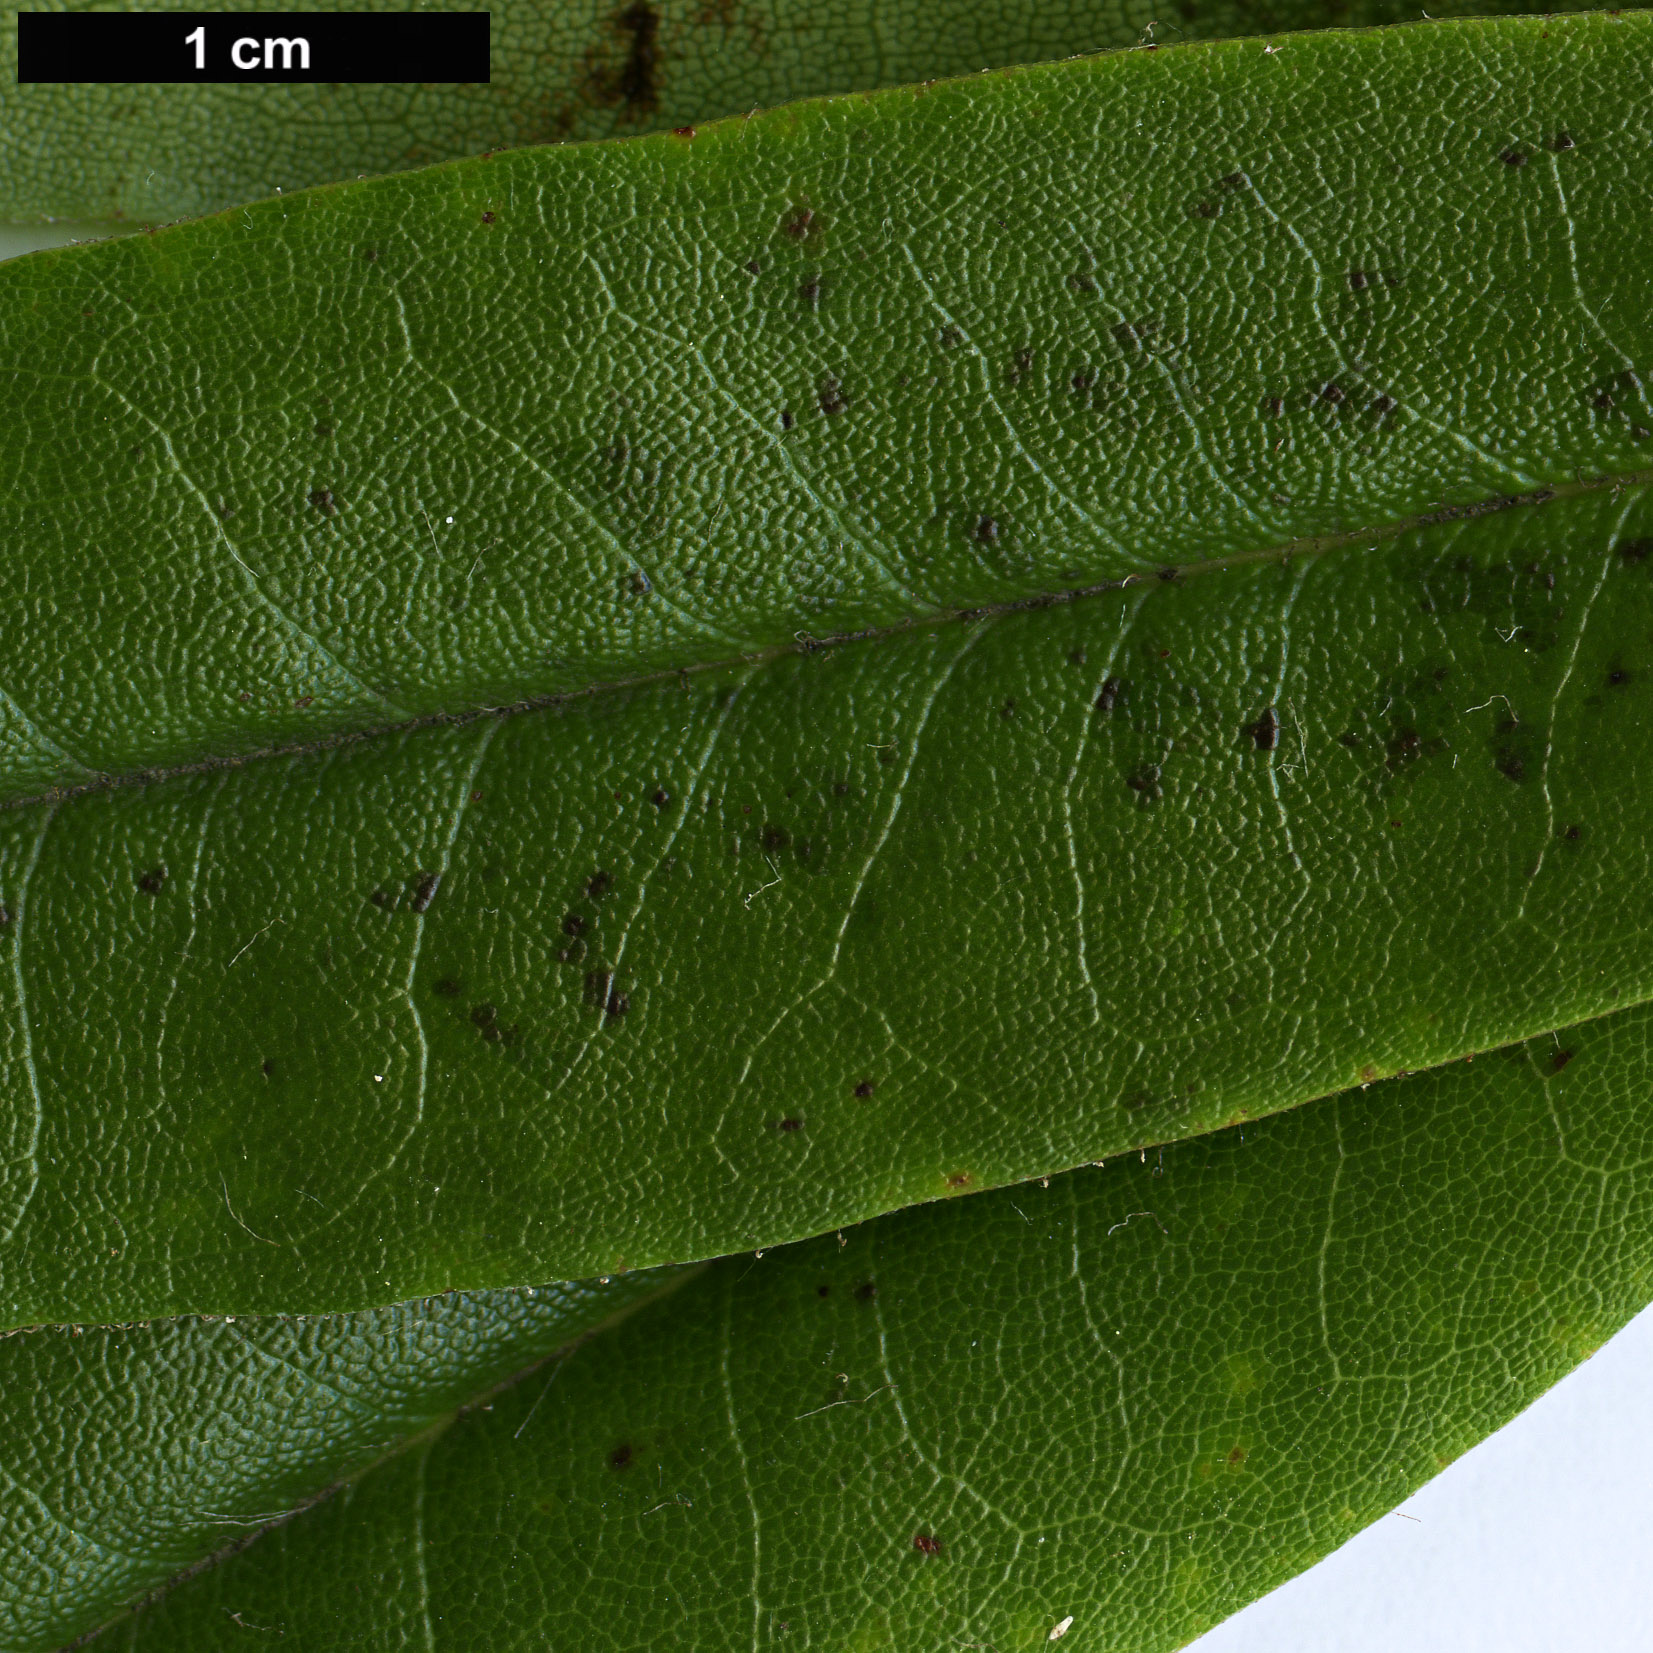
561,69
837,366
1129,1401
130,1453
725,961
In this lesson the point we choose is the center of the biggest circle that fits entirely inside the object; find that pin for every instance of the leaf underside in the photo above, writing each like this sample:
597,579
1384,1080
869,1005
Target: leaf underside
1138,1396
1275,517
562,69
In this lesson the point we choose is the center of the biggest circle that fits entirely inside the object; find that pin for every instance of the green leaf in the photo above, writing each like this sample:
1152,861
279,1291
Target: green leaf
1031,331
1135,1398
575,69
133,1453
712,964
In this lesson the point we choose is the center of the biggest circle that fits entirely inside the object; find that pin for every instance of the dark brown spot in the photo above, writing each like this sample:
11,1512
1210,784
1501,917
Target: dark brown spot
1384,404
865,1292
1560,1060
487,218
266,1067
573,924
323,428
830,395
660,797
1602,401
809,290
153,881
1236,1457
448,987
1634,551
787,421
797,225
1112,689
789,1125
1273,406
383,898
1167,574
987,530
925,1544
1513,157
1332,394
1573,834
683,132
599,884
865,1089
960,1179
1618,677
1561,142
303,701
620,1457
636,83
1145,780
1207,209
425,890
322,499
754,266
776,838
1265,732
1359,280
823,1291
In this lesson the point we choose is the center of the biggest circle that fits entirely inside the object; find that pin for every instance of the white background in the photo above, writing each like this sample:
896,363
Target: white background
1540,1540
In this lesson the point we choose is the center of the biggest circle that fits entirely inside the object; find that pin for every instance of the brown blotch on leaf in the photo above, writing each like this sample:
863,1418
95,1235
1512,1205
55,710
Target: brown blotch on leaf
485,1018
865,1292
1561,142
620,1457
1236,1457
789,1125
487,218
635,84
1385,404
1112,689
1265,732
823,1291
1635,551
153,881
830,395
266,1067
685,132
809,290
1573,834
926,1544
1513,157
865,1088
776,838
660,797
425,891
1008,709
796,226
1618,677
787,420
1332,393
599,884
1359,280
1273,406
960,1179
1206,209
987,530
573,924
1560,1060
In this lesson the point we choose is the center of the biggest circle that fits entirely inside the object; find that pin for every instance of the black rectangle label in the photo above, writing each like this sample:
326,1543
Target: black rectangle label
168,48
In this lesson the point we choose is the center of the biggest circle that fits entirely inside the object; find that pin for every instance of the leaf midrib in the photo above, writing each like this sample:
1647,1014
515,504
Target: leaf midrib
1310,545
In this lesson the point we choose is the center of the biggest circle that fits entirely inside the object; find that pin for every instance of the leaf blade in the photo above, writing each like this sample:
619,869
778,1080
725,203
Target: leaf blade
1191,1377
609,432
709,966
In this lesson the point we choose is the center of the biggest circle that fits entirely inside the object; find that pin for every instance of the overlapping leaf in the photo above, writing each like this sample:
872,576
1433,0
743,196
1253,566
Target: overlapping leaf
1129,1401
572,69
